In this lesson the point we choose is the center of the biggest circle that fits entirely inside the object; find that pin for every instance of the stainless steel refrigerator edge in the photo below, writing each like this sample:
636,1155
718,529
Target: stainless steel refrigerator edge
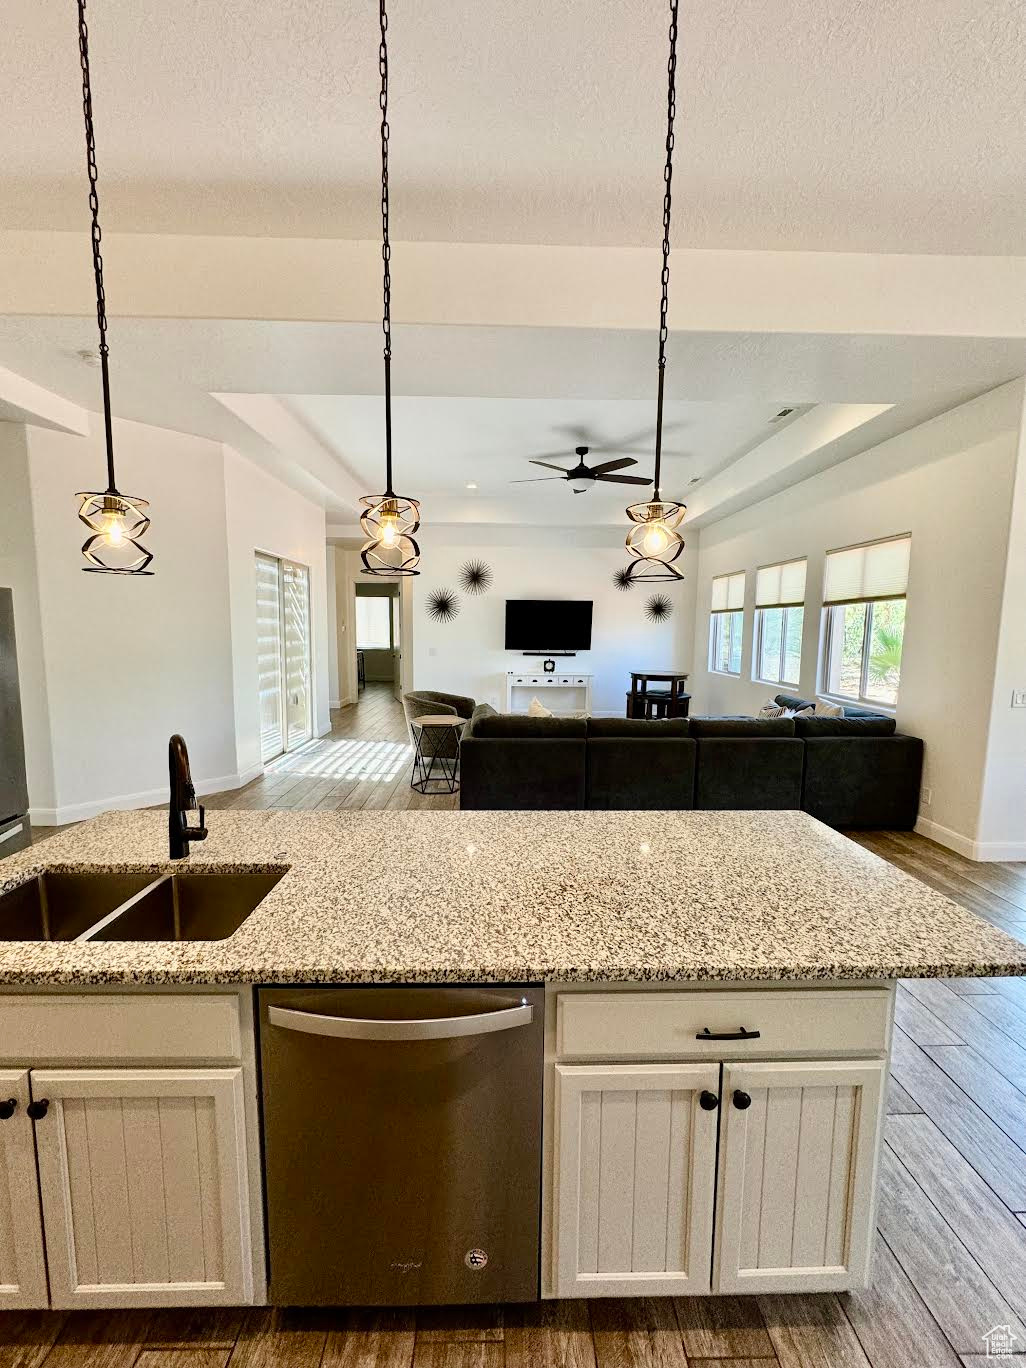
402,1136
14,823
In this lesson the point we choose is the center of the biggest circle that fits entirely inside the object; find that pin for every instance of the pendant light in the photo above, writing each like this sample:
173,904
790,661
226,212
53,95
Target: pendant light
389,520
653,541
116,521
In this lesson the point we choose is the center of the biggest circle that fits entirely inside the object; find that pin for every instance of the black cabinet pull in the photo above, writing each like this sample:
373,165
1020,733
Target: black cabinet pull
707,1100
37,1110
742,1100
8,1108
740,1034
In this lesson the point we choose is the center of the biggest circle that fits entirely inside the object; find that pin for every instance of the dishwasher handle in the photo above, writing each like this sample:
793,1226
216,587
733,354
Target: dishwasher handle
428,1028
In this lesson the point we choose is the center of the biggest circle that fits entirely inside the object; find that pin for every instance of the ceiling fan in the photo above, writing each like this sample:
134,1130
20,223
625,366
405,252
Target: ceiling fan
581,477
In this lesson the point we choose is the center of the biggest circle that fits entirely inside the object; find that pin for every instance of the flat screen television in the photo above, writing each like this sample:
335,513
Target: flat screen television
541,625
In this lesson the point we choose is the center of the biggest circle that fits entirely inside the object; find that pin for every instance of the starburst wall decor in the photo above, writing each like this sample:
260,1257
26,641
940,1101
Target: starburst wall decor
658,608
442,605
623,580
475,577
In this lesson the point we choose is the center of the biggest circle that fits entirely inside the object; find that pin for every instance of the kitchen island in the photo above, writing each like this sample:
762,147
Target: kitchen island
718,998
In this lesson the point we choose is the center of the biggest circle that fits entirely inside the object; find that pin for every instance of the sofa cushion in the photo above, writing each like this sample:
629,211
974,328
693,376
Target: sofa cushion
844,726
870,782
638,727
749,771
742,726
793,702
516,724
641,772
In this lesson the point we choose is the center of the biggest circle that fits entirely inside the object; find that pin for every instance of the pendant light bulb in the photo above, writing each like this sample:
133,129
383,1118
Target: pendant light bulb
656,539
113,526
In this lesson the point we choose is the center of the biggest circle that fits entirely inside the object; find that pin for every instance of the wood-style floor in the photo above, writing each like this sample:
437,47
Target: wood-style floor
951,1249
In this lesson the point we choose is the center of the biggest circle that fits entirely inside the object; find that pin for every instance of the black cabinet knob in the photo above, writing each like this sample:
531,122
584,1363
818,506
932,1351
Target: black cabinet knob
8,1108
707,1100
37,1110
741,1100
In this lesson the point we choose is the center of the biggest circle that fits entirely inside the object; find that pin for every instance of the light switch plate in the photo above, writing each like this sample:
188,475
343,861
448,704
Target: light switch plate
926,796
1019,698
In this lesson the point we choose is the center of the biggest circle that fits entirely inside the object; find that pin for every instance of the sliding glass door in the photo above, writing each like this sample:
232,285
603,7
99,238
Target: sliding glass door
283,654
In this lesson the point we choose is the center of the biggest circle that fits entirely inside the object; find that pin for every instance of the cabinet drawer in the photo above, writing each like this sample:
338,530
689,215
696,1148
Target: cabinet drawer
659,1025
156,1026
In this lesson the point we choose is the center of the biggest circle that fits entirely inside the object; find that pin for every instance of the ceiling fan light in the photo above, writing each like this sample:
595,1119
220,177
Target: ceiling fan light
580,484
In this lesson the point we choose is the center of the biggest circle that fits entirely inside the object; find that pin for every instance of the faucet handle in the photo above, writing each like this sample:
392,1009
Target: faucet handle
198,833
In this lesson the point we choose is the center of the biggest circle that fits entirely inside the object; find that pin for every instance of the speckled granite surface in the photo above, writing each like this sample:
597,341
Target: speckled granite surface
566,896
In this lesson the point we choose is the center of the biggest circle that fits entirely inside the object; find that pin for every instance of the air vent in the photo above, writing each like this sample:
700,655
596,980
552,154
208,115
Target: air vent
784,413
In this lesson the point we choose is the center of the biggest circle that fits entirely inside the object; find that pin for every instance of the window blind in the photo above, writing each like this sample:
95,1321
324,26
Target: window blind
728,592
373,623
878,570
780,586
269,662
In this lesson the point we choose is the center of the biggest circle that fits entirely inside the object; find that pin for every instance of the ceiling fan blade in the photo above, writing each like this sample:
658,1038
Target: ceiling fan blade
621,464
624,479
537,479
547,464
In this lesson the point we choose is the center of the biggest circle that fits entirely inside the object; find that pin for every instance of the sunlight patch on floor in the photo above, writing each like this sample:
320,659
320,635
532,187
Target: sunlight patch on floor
350,758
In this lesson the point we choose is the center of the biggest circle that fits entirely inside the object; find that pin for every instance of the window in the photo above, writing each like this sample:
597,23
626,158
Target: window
779,620
864,590
373,623
727,627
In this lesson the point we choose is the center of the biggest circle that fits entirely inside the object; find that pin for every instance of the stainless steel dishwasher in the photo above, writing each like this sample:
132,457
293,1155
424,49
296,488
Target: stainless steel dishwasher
402,1144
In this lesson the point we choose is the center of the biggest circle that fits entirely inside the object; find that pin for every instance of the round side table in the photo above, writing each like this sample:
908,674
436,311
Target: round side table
436,753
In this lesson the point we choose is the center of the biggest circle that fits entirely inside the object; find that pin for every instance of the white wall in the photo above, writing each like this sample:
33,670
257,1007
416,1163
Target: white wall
331,590
949,482
1002,828
467,655
18,573
262,514
129,661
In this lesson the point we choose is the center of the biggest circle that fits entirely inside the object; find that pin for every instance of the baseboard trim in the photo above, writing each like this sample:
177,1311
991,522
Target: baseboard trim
979,851
128,802
335,703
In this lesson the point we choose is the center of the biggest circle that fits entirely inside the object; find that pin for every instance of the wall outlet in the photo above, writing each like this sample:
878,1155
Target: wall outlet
926,796
1019,698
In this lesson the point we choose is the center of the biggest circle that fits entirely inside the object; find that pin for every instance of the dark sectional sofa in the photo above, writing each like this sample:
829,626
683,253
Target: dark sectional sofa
854,771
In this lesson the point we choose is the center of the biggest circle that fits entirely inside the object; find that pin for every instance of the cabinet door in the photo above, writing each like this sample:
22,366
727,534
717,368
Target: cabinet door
22,1269
634,1179
795,1206
143,1179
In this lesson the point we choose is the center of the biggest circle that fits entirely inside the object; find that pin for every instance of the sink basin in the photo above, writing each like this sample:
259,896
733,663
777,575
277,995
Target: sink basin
187,907
60,906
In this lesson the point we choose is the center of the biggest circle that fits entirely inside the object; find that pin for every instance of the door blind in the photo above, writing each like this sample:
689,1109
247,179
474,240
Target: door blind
269,658
297,652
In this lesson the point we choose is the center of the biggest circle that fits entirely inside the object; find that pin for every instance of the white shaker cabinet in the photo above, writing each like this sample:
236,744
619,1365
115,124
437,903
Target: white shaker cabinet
22,1265
142,1174
797,1175
636,1169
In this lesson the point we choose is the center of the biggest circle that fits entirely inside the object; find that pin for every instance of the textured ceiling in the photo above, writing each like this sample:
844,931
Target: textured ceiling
866,125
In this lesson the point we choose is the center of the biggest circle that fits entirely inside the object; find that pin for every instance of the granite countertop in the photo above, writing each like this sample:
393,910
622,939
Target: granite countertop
524,896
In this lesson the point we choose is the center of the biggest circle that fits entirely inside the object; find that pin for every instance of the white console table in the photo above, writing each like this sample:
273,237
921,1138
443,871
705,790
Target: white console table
564,691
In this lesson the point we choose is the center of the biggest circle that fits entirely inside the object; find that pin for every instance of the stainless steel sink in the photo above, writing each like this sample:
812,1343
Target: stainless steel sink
60,906
186,907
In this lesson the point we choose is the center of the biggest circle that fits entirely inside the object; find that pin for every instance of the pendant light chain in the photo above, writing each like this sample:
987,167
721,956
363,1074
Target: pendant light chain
94,209
390,520
386,246
671,110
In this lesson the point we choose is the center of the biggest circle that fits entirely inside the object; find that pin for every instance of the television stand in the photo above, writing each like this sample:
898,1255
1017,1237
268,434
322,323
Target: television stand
564,691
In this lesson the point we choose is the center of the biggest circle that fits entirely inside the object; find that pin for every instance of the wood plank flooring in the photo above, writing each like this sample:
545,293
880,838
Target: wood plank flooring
951,1247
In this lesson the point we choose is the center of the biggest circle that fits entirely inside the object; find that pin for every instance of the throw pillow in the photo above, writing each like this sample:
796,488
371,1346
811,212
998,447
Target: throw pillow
536,709
773,709
826,709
